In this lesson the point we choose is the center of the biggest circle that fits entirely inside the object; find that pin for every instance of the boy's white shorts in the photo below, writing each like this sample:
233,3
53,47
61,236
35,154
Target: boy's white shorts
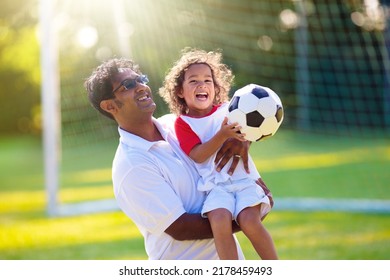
235,197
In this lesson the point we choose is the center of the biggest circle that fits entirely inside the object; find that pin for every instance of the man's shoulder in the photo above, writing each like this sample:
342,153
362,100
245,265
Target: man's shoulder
168,121
129,157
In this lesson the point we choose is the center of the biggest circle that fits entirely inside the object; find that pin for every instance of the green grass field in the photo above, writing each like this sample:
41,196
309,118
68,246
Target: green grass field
293,165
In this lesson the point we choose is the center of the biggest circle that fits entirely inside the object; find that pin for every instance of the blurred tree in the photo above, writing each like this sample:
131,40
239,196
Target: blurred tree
19,67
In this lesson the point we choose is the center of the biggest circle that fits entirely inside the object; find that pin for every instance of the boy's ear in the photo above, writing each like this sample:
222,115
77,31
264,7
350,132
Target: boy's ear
180,94
108,105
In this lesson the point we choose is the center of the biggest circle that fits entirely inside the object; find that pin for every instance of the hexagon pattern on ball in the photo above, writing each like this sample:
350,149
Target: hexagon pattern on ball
258,110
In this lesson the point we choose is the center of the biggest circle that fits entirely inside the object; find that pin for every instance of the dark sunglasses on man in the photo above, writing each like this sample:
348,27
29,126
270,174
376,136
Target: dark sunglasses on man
132,83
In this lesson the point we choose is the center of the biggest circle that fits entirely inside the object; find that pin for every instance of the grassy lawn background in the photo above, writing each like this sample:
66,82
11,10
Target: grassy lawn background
293,165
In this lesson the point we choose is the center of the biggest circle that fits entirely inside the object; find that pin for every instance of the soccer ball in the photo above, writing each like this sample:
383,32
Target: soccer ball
258,110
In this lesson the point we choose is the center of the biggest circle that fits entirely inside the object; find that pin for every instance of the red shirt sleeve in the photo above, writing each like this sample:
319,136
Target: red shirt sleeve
186,136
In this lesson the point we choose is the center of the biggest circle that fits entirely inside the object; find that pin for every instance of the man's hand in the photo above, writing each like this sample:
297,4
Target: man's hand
233,148
268,193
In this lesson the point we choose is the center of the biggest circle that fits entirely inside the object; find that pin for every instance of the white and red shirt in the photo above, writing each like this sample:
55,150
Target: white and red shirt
191,131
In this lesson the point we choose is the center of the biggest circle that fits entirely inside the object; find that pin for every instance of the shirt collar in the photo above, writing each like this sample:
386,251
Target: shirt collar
137,142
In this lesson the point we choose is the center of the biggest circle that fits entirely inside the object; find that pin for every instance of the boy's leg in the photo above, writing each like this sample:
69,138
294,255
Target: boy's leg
221,225
250,223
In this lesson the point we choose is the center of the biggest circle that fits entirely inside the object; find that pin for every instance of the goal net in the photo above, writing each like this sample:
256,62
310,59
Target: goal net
329,60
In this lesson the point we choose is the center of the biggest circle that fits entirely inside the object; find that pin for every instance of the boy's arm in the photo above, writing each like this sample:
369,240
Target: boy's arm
203,151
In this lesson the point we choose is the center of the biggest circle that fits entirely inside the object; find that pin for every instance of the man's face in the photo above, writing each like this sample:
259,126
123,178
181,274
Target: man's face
132,95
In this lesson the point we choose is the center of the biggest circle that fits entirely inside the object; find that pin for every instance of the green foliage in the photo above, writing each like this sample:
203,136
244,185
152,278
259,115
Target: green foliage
20,79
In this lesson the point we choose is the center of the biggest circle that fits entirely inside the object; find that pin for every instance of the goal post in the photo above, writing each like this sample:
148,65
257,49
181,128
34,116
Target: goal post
50,94
386,61
51,119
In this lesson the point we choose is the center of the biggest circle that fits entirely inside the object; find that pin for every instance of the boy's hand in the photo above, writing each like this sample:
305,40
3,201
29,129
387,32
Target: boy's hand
231,130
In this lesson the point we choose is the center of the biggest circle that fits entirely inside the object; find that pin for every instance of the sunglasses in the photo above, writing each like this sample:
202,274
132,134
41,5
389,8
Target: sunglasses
132,83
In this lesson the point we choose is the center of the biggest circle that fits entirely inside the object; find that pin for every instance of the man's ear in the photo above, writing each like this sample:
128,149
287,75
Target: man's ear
108,105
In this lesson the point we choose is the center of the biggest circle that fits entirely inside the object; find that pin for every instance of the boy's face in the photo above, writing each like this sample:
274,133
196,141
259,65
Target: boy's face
198,89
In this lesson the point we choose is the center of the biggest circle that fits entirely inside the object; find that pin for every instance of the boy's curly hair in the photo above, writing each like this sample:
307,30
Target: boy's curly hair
222,76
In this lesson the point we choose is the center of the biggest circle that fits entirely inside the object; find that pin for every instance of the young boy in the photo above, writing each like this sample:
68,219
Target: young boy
196,89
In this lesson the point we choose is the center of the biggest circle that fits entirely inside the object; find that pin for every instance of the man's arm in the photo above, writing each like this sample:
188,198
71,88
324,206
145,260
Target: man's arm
192,227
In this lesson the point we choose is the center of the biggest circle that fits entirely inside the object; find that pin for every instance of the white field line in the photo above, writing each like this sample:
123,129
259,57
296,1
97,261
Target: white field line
281,204
334,205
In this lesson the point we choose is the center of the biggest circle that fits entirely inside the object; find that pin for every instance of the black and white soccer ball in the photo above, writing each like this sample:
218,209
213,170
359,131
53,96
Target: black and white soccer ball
258,110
